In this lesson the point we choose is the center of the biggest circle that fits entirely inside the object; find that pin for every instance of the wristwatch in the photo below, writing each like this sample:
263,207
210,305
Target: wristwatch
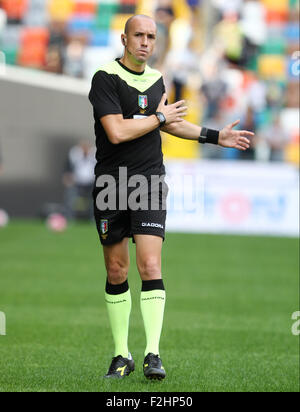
161,118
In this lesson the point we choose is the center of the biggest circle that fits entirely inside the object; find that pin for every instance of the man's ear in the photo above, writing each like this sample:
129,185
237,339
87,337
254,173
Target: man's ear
124,41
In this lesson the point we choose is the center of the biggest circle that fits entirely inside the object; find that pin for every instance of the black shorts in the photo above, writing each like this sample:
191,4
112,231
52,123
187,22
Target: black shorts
116,223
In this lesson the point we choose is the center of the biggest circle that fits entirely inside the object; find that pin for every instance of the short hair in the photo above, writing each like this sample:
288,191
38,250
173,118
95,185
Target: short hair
128,23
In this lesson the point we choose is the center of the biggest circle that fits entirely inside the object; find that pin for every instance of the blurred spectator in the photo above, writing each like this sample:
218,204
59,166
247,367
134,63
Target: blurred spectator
164,16
274,94
213,90
243,60
248,123
78,180
55,53
179,65
54,60
276,139
15,10
257,94
228,6
57,34
73,59
229,34
253,22
194,5
253,27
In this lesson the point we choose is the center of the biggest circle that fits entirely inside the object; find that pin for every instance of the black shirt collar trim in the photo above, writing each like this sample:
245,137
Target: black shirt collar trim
128,70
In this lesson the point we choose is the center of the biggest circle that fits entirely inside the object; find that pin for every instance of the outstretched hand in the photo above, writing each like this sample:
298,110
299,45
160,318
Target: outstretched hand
237,139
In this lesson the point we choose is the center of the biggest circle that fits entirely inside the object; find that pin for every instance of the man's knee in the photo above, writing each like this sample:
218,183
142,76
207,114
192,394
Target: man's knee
150,268
117,271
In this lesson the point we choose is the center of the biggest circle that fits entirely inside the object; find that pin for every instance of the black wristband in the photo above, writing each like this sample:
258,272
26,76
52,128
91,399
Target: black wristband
209,136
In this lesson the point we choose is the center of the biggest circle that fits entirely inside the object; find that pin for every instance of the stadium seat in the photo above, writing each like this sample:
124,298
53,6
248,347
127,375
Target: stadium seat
11,36
35,5
61,9
104,15
80,25
33,56
36,14
119,20
278,5
108,8
15,9
10,42
292,32
85,8
33,46
10,55
99,38
35,20
127,6
129,2
34,36
274,16
272,66
274,45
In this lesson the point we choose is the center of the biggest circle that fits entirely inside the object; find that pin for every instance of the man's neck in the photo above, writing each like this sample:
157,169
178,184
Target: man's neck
126,61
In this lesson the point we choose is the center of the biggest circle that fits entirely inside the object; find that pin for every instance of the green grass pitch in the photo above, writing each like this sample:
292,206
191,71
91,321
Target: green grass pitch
227,322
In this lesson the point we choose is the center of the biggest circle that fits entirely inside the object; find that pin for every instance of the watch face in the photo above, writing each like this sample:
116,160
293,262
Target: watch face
161,117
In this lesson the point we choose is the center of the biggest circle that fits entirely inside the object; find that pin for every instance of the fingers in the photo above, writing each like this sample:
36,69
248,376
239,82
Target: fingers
244,140
243,144
179,117
179,103
234,124
246,133
177,111
178,120
181,109
240,147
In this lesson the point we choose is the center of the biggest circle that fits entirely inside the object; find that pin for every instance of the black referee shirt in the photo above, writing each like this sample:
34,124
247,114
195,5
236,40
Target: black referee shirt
119,90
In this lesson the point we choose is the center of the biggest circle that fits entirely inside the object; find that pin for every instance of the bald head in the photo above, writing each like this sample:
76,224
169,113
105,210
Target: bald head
130,22
138,40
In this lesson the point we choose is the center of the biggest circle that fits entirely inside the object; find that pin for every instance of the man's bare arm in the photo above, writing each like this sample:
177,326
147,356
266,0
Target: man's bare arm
120,130
238,139
184,130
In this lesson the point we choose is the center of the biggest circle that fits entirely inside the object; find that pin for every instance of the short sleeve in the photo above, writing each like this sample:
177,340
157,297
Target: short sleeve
103,95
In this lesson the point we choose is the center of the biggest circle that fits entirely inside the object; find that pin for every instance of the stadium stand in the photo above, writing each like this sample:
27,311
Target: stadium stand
239,56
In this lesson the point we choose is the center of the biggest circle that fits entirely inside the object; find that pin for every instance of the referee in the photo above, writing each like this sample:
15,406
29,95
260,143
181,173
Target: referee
130,108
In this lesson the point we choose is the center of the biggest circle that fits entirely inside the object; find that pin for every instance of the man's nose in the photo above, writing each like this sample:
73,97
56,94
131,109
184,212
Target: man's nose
144,41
